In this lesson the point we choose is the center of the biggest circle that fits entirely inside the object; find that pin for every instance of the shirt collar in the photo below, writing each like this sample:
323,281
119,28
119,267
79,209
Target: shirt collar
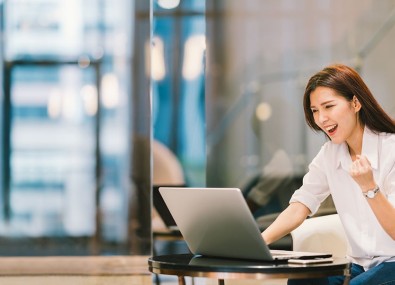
370,142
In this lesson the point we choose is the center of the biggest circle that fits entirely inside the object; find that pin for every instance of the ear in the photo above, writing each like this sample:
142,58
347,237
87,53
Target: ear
356,104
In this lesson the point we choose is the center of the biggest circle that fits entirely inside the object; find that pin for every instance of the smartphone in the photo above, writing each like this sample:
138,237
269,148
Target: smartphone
310,261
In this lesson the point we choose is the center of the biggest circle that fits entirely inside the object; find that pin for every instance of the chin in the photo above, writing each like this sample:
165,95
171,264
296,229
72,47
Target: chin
337,140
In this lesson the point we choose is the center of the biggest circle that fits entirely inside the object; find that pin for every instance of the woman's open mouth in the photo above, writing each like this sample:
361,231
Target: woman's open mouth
331,130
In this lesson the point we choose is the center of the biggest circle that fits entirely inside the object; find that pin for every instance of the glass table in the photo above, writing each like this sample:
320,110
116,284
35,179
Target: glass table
182,265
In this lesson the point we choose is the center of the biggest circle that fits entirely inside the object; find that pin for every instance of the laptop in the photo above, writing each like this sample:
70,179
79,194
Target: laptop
162,209
216,222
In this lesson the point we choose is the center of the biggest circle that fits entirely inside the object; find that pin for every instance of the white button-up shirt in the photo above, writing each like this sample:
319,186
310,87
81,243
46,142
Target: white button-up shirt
328,174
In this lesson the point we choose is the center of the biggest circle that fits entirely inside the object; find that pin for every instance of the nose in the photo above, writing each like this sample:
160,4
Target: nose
321,117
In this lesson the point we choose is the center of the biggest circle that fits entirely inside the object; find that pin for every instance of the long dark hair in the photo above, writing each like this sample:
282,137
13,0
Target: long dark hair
347,83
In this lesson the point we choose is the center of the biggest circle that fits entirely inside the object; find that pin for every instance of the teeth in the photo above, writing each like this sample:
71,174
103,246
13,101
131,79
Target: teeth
330,128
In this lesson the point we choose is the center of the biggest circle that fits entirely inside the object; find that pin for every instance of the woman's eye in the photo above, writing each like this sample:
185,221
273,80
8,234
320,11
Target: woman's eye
328,106
313,110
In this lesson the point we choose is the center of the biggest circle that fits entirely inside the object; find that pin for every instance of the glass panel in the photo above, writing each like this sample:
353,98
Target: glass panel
261,54
178,105
69,126
52,158
179,46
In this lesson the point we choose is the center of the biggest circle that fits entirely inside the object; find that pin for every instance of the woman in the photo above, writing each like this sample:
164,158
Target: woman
356,167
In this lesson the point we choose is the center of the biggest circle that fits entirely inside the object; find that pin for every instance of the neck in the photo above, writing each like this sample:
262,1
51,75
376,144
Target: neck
353,153
354,143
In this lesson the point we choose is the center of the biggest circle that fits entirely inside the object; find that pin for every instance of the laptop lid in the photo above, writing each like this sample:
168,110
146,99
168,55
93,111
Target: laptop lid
161,207
217,222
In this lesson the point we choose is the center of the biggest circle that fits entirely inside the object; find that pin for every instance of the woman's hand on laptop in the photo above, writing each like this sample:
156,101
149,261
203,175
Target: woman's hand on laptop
288,220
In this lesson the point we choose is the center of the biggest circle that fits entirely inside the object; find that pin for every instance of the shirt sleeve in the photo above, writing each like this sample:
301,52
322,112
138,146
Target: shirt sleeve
315,187
387,167
389,186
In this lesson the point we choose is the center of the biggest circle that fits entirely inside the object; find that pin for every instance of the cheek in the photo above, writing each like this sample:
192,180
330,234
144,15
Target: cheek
349,113
315,118
341,110
348,117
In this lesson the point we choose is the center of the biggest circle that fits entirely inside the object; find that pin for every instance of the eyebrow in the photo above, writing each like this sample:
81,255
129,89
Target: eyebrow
323,103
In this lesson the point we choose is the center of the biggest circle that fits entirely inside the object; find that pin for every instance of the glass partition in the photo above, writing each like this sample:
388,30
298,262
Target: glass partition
178,57
260,55
178,108
73,104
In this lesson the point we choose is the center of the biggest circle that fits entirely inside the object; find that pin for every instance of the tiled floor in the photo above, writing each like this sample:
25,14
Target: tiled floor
65,270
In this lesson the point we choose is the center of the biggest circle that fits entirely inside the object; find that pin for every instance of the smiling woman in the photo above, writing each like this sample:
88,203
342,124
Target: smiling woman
338,103
347,83
331,110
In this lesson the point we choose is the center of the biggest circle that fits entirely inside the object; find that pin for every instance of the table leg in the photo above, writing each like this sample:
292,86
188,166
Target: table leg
221,282
181,280
157,281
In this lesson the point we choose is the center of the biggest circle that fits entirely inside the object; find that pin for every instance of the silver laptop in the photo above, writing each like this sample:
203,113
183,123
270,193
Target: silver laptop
217,222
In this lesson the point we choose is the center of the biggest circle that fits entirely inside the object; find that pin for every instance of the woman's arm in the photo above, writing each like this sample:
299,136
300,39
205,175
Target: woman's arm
292,217
361,172
385,213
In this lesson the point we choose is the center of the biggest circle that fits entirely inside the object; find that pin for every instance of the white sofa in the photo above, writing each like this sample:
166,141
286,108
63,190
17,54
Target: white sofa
321,234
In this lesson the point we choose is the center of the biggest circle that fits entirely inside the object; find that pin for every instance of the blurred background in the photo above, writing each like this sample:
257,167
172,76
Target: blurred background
92,90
